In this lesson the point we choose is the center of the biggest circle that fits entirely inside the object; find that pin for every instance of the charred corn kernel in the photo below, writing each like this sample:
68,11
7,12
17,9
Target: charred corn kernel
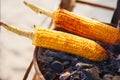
62,41
81,26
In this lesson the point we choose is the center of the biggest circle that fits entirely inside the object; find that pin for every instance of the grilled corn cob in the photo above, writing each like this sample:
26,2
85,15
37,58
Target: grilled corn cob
62,41
81,26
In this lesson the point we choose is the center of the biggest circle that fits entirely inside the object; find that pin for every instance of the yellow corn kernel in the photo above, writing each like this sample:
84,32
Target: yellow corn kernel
80,25
62,41
86,27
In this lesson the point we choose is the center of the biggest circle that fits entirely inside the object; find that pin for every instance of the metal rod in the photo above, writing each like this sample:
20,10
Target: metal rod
28,71
96,5
41,77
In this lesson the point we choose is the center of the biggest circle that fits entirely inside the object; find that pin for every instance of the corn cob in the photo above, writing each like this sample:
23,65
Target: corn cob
80,25
62,41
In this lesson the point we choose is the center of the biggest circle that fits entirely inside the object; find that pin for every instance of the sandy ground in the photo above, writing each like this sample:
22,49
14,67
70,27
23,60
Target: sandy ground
16,52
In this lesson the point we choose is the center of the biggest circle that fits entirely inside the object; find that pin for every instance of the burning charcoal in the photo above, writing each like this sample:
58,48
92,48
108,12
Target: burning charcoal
107,77
57,67
94,72
64,76
116,78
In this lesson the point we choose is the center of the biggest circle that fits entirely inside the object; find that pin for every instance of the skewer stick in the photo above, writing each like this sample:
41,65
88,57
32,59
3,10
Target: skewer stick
39,10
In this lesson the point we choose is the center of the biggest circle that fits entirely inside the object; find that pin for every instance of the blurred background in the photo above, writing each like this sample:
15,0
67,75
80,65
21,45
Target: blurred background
16,52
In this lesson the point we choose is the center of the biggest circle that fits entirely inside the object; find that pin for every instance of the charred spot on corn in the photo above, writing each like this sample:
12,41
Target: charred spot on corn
62,41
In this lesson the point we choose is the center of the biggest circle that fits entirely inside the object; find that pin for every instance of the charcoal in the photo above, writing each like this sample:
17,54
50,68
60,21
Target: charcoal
49,59
48,76
114,48
56,65
57,55
94,72
88,76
